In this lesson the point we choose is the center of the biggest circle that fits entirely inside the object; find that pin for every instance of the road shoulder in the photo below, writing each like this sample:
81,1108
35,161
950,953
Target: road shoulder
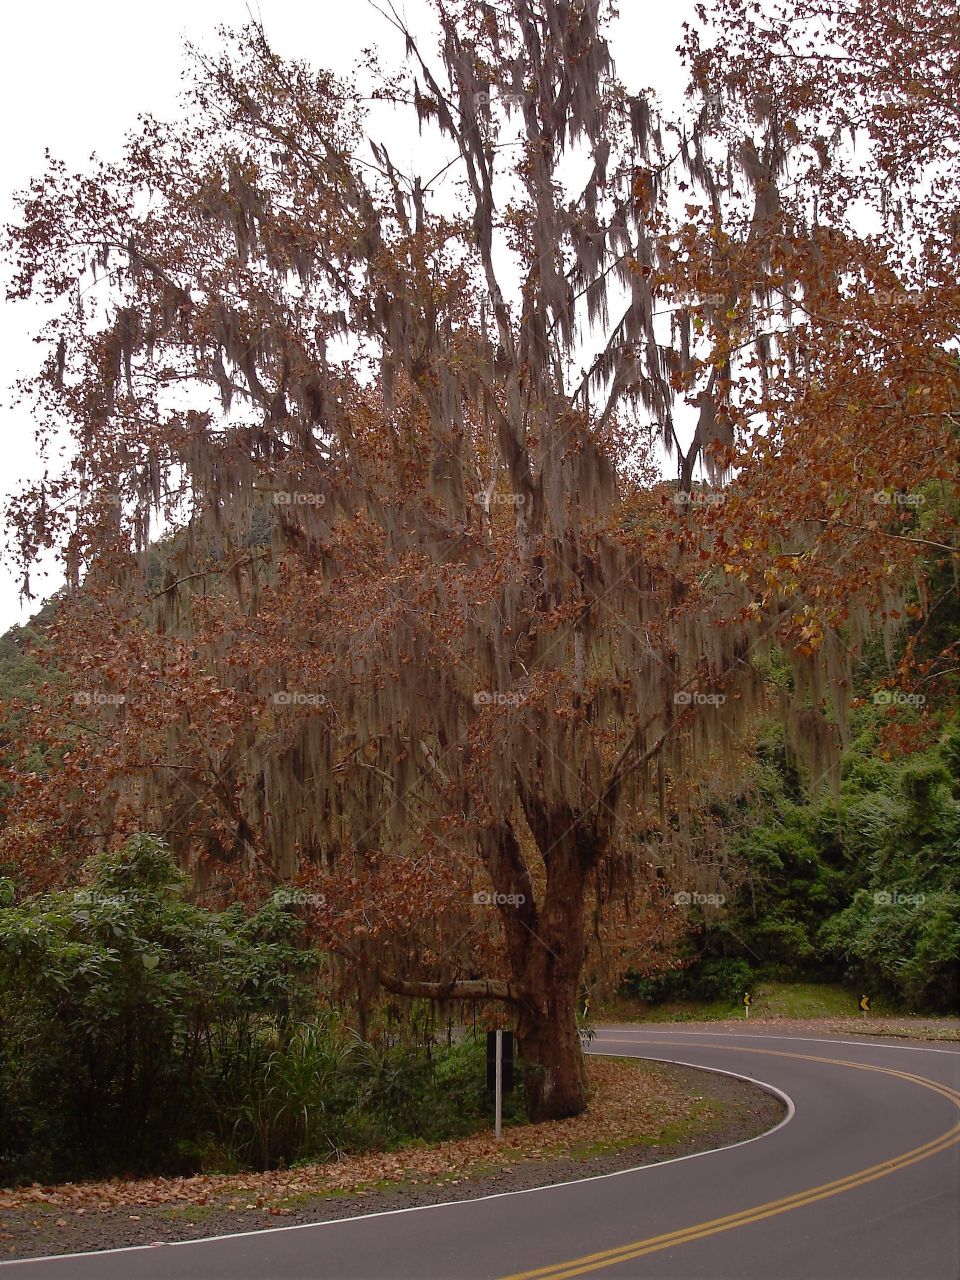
641,1113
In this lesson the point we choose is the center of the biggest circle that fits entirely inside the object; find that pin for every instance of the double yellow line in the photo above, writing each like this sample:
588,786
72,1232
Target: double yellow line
653,1244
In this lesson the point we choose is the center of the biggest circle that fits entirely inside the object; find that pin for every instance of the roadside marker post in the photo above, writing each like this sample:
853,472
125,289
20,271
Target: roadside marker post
500,1063
507,1056
499,1103
747,1001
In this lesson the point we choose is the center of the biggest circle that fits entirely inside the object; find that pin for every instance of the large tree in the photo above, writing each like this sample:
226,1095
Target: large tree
420,626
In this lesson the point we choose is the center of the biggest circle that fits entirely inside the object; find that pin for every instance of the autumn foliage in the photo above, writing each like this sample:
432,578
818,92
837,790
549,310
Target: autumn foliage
373,587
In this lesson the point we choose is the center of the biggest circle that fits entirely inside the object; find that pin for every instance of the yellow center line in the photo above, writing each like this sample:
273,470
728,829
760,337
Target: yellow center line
698,1231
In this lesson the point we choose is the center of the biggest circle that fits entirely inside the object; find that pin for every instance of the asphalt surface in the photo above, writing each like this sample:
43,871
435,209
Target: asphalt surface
860,1182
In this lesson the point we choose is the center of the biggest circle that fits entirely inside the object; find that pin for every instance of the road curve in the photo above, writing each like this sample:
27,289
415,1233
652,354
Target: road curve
862,1182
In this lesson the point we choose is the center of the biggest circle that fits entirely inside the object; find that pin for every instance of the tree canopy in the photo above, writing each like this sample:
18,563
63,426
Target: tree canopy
423,623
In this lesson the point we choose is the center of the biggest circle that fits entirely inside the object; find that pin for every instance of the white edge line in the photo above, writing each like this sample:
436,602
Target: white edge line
753,1035
446,1204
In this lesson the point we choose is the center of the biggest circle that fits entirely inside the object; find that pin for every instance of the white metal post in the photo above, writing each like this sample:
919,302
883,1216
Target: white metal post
499,1077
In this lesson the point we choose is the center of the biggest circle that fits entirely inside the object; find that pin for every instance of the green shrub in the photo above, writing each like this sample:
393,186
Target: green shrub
721,979
140,1034
117,1002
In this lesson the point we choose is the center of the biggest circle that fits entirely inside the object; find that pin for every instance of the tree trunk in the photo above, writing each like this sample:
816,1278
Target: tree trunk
545,953
547,958
548,1041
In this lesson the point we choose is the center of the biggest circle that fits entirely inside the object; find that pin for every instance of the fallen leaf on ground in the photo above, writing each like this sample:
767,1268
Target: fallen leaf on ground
628,1104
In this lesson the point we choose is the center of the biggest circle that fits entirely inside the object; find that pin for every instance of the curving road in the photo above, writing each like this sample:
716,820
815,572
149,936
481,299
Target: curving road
860,1182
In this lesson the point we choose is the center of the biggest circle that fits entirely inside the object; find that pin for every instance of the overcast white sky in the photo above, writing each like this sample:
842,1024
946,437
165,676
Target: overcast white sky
75,76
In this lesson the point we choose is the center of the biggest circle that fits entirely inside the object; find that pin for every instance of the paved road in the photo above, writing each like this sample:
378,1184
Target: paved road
862,1182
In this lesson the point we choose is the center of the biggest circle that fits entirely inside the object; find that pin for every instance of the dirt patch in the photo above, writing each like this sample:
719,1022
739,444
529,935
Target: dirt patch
639,1113
902,1028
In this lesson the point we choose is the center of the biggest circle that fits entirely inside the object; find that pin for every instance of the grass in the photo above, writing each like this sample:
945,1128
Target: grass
187,1212
302,1199
770,1000
703,1117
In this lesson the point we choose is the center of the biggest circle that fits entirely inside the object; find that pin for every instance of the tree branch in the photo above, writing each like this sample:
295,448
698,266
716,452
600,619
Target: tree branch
899,537
455,989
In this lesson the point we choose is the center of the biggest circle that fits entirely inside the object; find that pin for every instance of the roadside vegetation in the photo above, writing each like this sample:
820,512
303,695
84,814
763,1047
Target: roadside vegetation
142,1034
863,893
849,882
